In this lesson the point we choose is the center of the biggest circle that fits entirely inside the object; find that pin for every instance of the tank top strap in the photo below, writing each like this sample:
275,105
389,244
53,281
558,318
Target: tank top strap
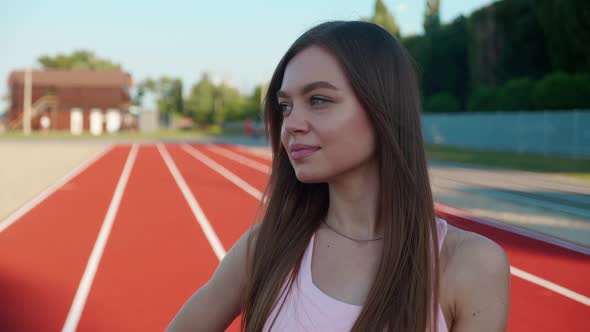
441,231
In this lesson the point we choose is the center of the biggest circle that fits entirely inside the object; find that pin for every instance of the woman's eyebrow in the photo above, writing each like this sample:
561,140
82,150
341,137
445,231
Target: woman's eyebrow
310,87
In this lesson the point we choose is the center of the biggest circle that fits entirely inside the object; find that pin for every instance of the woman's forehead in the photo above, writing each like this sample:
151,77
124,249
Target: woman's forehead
313,64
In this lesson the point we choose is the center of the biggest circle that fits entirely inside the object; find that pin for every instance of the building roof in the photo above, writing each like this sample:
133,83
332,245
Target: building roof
60,78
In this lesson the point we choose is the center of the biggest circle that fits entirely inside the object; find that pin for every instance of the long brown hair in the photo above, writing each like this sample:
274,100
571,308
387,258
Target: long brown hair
383,79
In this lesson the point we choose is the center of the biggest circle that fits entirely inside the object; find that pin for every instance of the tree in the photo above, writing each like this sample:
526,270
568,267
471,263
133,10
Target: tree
559,91
253,105
484,98
199,103
80,59
432,15
139,93
209,103
441,103
168,91
566,27
175,100
516,95
442,55
383,17
227,102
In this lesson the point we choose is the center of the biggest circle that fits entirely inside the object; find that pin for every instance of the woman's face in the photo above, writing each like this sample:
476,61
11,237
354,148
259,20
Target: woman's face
325,130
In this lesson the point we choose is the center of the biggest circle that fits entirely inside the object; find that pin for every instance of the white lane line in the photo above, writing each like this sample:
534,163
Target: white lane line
77,307
551,286
245,186
16,215
239,158
263,155
193,204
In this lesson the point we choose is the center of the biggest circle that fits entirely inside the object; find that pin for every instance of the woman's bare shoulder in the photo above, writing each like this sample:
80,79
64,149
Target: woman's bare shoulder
249,235
478,272
465,246
469,253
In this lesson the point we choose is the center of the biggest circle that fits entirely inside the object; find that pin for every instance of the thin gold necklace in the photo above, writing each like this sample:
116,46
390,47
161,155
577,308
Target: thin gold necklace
348,237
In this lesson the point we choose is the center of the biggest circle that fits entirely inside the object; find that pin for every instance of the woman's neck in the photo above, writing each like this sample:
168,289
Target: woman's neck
353,202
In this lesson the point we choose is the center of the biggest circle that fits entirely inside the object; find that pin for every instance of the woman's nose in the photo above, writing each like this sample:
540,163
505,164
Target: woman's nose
296,122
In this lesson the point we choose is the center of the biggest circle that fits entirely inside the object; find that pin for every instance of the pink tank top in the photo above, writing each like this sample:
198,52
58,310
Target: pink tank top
307,308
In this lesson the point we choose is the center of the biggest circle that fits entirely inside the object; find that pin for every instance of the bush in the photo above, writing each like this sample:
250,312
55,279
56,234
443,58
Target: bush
484,98
562,91
442,103
516,95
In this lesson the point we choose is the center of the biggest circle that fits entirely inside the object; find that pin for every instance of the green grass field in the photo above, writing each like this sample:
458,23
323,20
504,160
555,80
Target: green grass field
578,168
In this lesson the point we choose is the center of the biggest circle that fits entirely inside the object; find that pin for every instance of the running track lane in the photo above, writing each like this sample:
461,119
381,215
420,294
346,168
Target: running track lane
156,257
230,210
256,178
532,307
44,253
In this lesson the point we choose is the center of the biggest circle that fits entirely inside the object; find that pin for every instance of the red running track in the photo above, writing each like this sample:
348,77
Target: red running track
43,255
157,254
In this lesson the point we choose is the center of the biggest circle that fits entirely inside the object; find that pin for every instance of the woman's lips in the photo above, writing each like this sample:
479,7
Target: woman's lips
300,152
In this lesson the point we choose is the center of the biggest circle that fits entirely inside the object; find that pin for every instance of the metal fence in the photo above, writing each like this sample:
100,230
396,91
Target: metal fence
565,133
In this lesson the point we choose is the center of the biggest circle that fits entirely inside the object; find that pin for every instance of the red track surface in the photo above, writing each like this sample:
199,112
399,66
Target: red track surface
157,254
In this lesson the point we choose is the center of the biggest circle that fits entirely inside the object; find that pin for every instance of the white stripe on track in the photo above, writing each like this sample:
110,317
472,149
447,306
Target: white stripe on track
549,285
245,186
77,307
261,154
193,204
239,158
16,215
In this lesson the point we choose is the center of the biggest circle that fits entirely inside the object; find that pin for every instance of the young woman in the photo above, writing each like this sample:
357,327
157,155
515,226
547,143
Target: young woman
349,239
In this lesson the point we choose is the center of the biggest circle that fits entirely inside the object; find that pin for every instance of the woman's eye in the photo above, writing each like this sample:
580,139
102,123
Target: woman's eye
284,108
318,100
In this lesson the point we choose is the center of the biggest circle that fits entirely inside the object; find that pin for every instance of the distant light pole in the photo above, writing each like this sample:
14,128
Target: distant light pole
27,102
217,106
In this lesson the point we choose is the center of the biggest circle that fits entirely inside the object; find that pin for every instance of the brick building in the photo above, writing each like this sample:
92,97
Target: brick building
73,100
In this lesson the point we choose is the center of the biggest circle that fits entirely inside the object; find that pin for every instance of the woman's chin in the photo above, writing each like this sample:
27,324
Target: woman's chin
306,177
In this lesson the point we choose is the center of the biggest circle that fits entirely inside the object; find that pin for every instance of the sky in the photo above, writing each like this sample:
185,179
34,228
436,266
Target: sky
236,41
